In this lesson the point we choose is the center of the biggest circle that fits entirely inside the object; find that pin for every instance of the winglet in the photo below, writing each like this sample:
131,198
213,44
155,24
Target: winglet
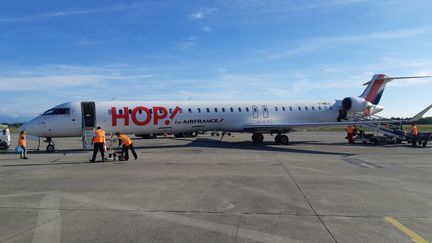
420,114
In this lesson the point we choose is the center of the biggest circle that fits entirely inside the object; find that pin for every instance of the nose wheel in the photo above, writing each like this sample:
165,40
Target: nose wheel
51,145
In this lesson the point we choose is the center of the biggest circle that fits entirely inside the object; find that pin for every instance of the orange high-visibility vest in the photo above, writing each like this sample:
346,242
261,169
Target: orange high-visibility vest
22,141
349,130
126,141
414,131
99,136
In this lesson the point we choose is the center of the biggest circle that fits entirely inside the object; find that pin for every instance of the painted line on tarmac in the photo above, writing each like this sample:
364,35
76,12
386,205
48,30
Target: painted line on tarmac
231,230
414,237
48,227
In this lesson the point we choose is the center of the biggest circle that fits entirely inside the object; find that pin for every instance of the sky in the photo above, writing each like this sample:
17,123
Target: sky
53,51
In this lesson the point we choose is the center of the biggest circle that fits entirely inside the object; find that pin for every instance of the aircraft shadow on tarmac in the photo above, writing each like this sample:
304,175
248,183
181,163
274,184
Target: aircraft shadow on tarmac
40,164
243,145
212,143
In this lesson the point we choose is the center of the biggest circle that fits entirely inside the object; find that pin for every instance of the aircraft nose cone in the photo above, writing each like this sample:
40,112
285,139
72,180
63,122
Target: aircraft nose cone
29,127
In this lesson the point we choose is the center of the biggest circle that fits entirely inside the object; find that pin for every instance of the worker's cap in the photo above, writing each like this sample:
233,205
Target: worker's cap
98,128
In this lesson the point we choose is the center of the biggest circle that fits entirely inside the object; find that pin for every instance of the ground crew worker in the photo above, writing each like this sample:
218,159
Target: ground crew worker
98,144
350,133
23,144
414,134
127,144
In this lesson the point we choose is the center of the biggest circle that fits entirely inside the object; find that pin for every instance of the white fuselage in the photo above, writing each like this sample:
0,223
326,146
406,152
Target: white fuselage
69,119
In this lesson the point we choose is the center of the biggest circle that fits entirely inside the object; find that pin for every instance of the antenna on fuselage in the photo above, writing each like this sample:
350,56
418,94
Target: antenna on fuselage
188,99
113,98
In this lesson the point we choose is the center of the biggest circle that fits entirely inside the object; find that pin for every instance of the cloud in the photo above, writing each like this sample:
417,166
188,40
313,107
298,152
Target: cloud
202,13
49,78
111,8
315,44
189,43
85,41
207,29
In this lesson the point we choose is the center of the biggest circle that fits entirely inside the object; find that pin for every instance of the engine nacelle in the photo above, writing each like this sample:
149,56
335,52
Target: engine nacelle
355,104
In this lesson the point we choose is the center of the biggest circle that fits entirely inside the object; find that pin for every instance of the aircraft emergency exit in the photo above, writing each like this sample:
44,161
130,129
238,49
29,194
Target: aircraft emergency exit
79,119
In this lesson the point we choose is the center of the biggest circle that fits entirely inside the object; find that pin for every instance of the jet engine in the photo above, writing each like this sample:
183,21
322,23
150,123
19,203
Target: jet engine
355,104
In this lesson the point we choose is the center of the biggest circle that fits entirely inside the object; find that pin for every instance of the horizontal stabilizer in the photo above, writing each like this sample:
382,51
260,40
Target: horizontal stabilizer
388,79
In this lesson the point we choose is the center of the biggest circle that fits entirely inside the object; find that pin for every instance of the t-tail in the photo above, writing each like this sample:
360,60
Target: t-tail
368,101
375,87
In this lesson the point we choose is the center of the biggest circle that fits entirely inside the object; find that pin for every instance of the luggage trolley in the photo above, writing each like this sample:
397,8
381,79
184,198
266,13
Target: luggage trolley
115,152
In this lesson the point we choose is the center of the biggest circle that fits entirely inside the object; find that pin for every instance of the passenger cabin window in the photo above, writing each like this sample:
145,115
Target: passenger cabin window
223,109
306,108
276,109
319,107
331,108
121,112
216,110
170,110
57,111
299,108
290,108
232,109
180,110
283,108
189,110
4,132
199,110
239,109
313,108
150,110
247,109
208,110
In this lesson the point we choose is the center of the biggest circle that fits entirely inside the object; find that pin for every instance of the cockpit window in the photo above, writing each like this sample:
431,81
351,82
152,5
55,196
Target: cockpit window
57,111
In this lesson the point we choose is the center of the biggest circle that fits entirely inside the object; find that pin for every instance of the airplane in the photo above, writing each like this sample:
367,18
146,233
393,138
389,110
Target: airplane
79,119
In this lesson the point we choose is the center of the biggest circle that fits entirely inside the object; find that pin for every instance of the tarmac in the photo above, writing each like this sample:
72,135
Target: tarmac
317,189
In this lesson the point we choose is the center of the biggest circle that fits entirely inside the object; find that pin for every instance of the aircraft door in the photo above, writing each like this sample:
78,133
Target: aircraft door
265,111
88,111
255,111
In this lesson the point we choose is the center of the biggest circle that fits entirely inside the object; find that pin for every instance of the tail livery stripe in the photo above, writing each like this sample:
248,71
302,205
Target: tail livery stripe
375,89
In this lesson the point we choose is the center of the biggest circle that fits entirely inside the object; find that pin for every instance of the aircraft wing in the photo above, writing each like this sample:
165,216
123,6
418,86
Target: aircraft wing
420,115
289,127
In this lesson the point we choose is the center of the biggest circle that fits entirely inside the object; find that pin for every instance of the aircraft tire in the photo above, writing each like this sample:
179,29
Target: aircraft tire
50,148
257,138
284,139
278,139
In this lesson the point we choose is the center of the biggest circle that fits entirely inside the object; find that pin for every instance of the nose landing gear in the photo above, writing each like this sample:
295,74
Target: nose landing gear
51,145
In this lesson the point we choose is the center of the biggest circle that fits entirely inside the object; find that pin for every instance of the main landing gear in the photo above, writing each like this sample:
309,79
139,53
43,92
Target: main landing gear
51,145
279,139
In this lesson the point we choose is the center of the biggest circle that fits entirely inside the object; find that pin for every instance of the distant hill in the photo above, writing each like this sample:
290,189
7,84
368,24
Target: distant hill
10,119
